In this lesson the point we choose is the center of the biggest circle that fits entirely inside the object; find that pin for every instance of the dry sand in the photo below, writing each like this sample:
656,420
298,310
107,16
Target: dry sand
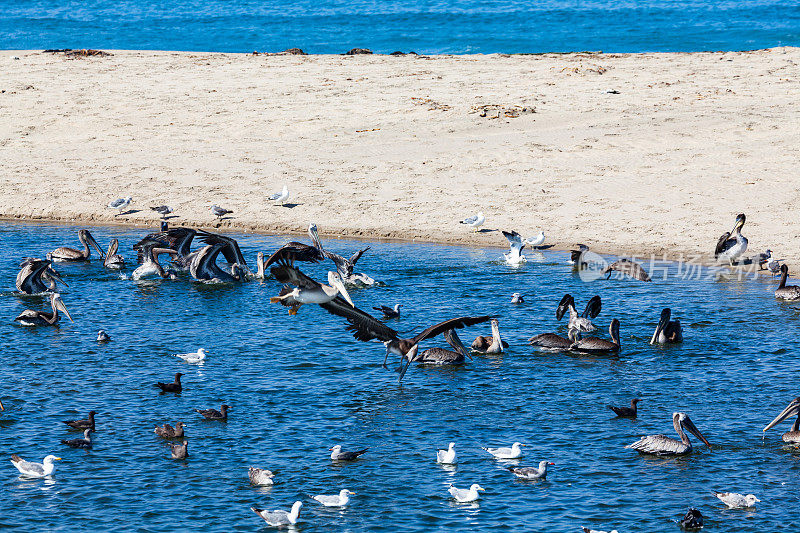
405,147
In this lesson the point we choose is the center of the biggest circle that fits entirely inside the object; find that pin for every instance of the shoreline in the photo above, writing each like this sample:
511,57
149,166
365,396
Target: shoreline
632,154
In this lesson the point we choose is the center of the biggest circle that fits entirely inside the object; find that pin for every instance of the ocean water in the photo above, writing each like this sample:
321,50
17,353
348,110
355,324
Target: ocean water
423,26
299,385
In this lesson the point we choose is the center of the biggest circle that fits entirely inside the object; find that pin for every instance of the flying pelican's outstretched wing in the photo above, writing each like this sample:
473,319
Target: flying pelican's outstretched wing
453,323
295,251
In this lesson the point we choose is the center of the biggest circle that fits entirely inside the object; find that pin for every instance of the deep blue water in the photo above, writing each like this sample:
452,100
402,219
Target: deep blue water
301,384
424,26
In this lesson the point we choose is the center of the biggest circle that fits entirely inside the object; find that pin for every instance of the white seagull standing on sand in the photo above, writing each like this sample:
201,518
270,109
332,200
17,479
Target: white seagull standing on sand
27,468
475,221
465,495
278,517
334,500
219,212
281,197
737,501
514,256
121,204
535,241
514,452
194,357
448,456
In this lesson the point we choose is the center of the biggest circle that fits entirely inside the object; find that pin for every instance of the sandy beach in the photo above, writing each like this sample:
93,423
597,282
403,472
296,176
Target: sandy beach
628,153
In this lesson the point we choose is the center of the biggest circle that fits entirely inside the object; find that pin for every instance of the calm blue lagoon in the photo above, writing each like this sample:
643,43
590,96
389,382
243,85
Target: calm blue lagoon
300,384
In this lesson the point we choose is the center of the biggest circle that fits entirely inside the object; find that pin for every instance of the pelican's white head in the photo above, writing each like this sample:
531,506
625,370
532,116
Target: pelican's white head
336,281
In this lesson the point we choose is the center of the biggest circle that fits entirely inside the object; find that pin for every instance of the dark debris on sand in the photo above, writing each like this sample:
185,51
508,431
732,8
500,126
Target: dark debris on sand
358,51
83,52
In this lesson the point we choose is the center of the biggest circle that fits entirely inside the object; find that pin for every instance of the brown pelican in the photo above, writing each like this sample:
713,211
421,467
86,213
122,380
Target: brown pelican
438,356
551,342
792,292
71,254
493,344
663,445
629,268
389,312
150,250
692,520
514,256
203,265
308,291
260,273
43,318
344,266
298,251
598,345
33,274
113,260
732,245
667,331
178,239
580,322
627,412
793,409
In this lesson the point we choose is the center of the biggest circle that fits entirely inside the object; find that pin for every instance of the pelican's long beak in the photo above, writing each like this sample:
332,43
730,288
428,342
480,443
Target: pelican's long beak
696,432
314,234
662,323
412,353
96,246
61,307
792,409
453,340
337,282
55,275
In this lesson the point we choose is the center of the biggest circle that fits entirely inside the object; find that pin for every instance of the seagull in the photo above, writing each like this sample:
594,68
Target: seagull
121,204
102,336
334,500
180,451
514,256
535,241
773,265
162,210
506,453
338,455
517,298
213,414
737,501
85,442
260,476
389,312
86,423
194,357
280,197
175,386
587,530
448,456
531,473
168,432
280,518
219,212
27,468
475,221
465,495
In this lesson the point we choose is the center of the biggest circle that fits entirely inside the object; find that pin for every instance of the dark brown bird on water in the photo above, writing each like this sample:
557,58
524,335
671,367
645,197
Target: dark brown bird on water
84,443
171,387
626,412
86,423
168,432
213,414
180,451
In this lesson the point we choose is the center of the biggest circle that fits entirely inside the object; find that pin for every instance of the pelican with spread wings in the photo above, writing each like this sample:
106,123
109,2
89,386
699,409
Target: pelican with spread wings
332,298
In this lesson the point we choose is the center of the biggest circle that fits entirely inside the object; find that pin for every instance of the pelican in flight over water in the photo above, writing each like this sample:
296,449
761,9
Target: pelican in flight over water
629,268
307,291
793,435
663,445
33,275
514,256
732,245
43,318
784,292
667,331
438,356
71,254
580,322
597,345
112,259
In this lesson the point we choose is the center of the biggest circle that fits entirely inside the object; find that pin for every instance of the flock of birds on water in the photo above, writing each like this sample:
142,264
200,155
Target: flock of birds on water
297,289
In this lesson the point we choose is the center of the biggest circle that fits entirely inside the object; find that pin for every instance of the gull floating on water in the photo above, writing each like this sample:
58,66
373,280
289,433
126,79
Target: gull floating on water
475,221
465,495
506,453
120,203
448,456
260,476
531,473
389,312
180,451
27,468
84,443
168,432
338,455
280,197
517,298
334,500
213,414
737,501
102,336
175,386
194,357
514,256
278,517
85,423
587,530
220,212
